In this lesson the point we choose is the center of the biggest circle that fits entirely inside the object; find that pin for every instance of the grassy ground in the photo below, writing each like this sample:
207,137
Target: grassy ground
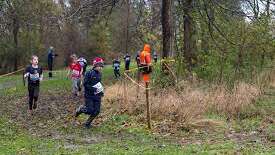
53,130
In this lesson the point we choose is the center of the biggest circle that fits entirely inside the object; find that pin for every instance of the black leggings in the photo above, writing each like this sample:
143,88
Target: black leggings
33,95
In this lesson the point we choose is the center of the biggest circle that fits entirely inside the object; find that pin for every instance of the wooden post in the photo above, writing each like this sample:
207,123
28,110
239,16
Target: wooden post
138,80
125,91
148,105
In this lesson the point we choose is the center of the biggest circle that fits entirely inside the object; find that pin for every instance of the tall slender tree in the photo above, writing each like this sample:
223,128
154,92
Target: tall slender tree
166,28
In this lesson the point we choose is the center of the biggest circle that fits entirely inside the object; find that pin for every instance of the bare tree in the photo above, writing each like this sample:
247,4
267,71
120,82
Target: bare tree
189,52
166,27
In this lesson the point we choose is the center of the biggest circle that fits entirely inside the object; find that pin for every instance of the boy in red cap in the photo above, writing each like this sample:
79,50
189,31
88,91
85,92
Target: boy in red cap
93,92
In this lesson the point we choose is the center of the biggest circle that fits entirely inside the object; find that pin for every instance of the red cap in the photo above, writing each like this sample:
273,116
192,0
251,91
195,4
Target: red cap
98,62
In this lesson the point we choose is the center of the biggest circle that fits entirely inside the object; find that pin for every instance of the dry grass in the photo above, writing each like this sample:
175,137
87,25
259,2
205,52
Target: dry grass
233,102
179,106
185,106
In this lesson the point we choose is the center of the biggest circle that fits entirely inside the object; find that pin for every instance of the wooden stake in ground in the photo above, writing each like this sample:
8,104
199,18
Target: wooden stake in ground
148,106
125,95
138,81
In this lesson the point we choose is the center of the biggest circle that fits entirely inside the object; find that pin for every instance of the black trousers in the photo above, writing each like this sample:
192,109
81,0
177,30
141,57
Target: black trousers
84,70
117,73
33,95
92,106
50,67
127,66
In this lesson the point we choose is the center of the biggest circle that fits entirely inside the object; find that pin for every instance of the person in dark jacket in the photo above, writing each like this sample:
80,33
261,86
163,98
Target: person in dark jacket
51,56
138,58
127,60
93,92
116,66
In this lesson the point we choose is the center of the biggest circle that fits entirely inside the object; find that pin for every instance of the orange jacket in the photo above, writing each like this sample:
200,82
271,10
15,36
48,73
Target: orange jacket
145,56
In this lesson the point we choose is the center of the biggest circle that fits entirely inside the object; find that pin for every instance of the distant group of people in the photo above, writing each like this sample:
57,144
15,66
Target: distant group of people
90,80
127,62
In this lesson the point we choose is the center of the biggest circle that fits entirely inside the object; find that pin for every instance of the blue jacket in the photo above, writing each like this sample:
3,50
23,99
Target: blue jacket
92,78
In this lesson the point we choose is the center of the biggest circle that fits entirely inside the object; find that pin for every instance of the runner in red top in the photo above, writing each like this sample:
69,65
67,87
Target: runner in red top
75,71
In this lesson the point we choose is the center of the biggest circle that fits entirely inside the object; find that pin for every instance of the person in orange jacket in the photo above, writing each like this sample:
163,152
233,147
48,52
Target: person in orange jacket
145,62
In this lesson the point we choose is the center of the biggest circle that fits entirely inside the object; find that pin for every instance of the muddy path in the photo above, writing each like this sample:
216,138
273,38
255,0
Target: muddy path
52,119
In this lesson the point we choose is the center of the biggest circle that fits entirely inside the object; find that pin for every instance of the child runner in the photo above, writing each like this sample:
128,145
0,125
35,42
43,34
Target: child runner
34,74
93,92
75,72
116,66
83,62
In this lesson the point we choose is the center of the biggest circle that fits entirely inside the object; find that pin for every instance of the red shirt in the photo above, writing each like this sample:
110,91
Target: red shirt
76,69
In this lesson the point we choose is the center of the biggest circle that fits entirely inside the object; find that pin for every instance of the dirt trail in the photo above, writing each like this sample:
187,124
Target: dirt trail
52,119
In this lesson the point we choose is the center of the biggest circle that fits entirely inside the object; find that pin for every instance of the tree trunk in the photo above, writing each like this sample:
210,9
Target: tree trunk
173,32
239,62
127,26
15,40
222,64
166,28
188,41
